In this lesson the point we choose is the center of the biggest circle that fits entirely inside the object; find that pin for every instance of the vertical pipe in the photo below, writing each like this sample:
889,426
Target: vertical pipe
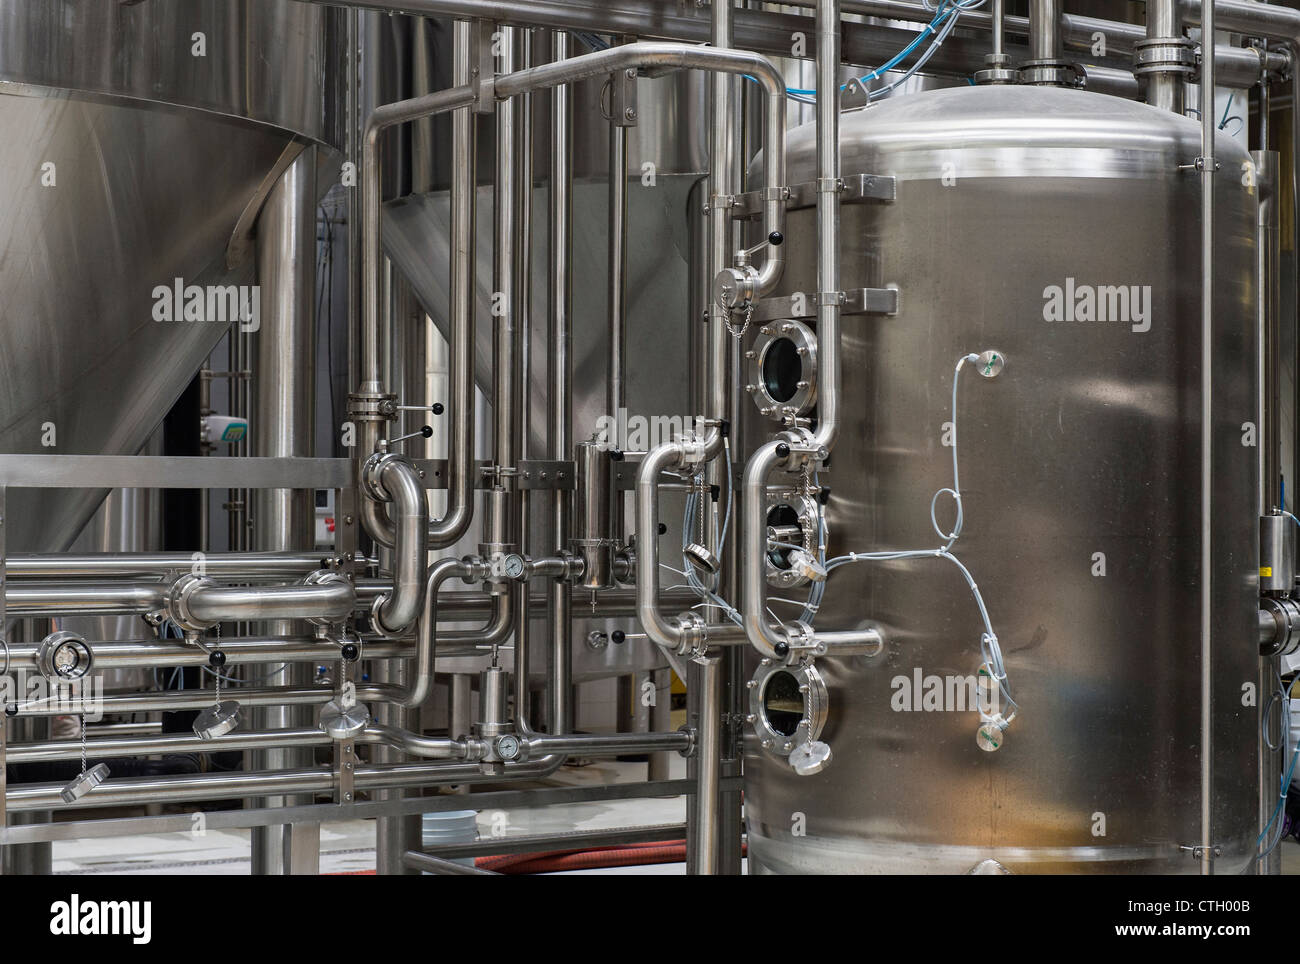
505,297
616,386
353,126
1208,166
1044,30
705,842
1166,89
559,712
722,166
998,42
1269,329
460,705
1268,280
661,718
522,151
461,465
286,427
828,222
708,676
592,516
394,835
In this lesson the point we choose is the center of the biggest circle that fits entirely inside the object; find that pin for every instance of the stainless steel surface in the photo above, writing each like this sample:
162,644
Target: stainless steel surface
1208,165
1044,30
1269,417
266,63
593,516
943,224
334,601
169,471
1050,479
706,675
283,426
135,565
87,81
559,389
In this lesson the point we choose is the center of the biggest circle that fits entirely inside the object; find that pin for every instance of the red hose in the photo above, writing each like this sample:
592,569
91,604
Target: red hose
627,855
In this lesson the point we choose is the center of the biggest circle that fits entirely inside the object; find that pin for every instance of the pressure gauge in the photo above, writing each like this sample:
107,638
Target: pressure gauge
64,655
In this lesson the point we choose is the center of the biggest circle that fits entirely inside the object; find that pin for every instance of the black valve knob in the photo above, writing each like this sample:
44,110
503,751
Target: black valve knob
824,494
724,427
216,659
437,408
11,709
782,650
426,431
714,492
776,239
350,652
663,528
618,637
616,455
783,450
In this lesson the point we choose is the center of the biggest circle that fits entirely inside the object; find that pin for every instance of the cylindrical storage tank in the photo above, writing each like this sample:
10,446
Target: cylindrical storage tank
1080,476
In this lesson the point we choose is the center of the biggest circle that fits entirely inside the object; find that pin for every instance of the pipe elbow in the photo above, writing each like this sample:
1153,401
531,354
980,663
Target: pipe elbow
394,479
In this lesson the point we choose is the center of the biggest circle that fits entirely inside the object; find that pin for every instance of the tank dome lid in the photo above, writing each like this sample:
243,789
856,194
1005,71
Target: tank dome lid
1010,131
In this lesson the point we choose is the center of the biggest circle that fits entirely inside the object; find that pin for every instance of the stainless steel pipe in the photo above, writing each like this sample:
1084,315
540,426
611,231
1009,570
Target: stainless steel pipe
399,482
334,600
559,401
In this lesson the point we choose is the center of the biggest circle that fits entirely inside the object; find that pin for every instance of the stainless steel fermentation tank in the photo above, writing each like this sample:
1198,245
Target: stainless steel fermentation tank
1086,445
140,141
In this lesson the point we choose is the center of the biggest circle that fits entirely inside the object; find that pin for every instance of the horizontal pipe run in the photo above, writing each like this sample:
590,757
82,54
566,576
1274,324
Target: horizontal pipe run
160,565
173,743
610,603
614,744
168,653
220,786
101,748
118,599
334,600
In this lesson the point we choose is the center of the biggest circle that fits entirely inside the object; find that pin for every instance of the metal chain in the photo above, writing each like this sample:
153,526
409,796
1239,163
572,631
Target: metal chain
746,311
82,717
216,675
703,507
